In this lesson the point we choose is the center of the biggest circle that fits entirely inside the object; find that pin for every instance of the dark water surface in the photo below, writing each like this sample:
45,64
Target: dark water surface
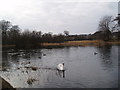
85,67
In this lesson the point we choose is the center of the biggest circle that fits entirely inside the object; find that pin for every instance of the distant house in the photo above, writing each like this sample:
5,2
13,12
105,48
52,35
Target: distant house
116,35
77,37
102,35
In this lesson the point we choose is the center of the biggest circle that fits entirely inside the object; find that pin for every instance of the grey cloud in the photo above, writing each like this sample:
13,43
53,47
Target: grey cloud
76,17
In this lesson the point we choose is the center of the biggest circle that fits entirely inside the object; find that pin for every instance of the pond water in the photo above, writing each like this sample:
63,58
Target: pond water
85,67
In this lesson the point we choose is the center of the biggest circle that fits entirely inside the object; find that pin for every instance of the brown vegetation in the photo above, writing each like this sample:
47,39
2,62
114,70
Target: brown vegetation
82,43
76,43
7,46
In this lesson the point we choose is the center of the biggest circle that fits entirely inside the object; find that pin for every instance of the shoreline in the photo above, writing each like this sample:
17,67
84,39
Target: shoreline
82,43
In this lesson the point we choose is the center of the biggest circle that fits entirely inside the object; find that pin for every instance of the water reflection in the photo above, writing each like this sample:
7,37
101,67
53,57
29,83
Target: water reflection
14,59
60,73
82,64
5,61
105,55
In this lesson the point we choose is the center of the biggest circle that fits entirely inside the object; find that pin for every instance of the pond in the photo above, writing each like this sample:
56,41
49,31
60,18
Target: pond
85,67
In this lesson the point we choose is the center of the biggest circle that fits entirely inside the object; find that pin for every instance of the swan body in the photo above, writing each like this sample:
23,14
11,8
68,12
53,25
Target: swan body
60,66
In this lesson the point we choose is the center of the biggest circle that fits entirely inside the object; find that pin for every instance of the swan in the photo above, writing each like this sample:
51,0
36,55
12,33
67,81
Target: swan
60,66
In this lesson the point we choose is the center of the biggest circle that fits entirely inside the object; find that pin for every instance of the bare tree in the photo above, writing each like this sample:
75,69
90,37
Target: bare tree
105,26
66,33
14,34
105,23
117,19
4,26
117,25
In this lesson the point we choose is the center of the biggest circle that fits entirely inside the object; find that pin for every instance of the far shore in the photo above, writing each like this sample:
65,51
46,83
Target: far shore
73,43
81,43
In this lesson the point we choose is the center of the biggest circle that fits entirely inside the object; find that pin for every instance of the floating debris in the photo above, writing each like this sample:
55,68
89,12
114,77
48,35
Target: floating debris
25,63
44,54
32,67
31,80
39,57
22,71
18,68
21,50
20,55
26,71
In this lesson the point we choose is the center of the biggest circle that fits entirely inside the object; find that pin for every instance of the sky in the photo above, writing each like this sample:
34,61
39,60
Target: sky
75,16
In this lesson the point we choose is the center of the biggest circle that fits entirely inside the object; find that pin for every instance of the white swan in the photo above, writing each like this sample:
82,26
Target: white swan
60,66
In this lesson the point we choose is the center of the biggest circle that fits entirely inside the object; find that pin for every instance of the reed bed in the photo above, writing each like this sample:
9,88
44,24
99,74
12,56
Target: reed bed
82,43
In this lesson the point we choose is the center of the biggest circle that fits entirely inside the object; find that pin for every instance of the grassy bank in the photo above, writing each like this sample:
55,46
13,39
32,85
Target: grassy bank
81,43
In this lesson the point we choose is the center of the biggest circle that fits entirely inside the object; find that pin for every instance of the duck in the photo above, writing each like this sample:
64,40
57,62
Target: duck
60,66
95,53
44,54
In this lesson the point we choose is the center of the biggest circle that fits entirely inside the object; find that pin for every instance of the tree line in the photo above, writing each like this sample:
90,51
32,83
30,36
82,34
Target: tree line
13,35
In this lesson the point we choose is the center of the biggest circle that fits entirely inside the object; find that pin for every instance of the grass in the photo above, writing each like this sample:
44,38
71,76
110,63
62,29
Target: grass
82,43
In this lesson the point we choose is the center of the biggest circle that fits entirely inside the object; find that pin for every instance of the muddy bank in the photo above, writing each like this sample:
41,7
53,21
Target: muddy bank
6,85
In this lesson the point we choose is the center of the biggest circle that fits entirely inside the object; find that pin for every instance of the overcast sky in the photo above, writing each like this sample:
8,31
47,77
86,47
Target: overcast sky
76,16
